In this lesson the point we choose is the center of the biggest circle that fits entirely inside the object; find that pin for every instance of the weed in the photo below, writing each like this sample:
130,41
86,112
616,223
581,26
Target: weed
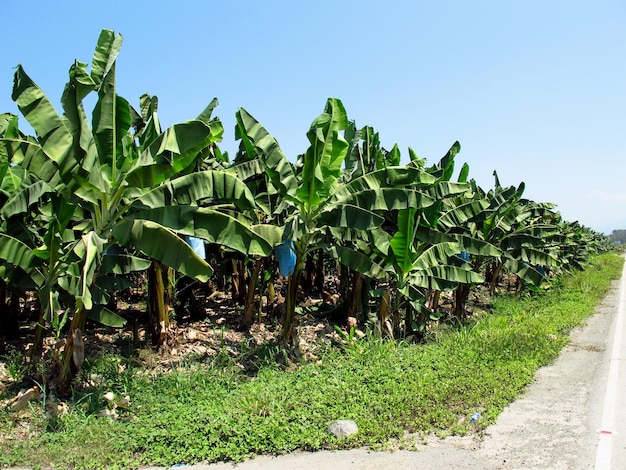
217,410
16,364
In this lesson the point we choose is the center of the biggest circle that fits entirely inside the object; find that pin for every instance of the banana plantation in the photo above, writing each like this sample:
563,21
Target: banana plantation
93,205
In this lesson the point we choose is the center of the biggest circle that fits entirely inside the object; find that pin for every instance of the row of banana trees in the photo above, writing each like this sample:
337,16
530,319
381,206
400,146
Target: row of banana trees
84,203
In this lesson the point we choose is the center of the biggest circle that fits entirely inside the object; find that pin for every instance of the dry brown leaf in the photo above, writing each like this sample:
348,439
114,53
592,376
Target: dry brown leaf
22,399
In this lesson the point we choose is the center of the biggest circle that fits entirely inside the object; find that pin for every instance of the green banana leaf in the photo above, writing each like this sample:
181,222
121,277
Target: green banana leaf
54,137
524,271
457,216
357,261
388,199
538,257
390,177
91,259
17,253
162,244
27,153
476,246
111,122
106,317
401,242
436,254
272,233
107,49
210,185
122,264
349,216
172,152
260,144
23,198
444,277
324,157
210,225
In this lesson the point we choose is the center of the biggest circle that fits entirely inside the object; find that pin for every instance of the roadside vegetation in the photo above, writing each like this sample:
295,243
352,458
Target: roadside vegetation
216,410
344,282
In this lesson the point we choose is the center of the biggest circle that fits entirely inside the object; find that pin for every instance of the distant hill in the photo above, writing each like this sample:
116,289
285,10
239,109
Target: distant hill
618,236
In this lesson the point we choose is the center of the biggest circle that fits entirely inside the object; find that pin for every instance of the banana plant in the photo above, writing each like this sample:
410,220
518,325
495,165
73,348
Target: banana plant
578,243
520,231
19,265
315,200
366,154
113,186
420,259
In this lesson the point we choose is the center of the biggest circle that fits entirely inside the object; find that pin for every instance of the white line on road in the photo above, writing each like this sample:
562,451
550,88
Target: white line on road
606,431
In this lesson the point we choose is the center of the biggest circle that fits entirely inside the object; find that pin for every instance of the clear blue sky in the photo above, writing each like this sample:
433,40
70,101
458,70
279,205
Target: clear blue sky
534,89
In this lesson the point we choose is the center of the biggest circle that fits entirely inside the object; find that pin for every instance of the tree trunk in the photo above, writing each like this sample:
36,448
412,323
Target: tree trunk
383,312
3,305
433,299
73,354
290,305
308,274
355,308
9,312
157,308
40,332
494,278
461,294
344,282
239,281
408,319
250,308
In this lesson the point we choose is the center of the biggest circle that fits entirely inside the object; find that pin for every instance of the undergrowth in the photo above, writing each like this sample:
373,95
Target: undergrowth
216,411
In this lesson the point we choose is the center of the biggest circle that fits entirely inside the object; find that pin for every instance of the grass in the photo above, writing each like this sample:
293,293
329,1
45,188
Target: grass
214,411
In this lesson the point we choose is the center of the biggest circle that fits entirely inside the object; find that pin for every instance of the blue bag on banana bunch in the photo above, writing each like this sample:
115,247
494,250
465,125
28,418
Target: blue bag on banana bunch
286,256
197,245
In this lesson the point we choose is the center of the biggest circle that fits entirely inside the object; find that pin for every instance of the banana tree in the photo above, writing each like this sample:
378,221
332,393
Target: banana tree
317,200
366,153
520,230
11,179
419,260
578,243
120,185
19,257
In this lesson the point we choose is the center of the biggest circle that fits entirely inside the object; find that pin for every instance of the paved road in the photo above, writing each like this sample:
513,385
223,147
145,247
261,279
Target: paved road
611,431
573,416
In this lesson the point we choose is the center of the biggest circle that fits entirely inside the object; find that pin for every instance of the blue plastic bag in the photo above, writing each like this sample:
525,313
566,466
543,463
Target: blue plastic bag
114,250
197,245
286,256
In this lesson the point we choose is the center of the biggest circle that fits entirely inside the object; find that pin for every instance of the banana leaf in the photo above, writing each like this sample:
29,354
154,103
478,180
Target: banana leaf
160,243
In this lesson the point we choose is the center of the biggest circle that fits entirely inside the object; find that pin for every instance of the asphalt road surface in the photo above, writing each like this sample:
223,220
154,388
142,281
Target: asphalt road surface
573,416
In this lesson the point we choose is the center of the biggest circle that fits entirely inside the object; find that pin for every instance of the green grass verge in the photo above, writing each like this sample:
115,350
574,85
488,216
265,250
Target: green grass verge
215,412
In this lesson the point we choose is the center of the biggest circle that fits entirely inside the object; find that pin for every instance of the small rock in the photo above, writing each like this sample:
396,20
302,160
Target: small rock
108,414
343,427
